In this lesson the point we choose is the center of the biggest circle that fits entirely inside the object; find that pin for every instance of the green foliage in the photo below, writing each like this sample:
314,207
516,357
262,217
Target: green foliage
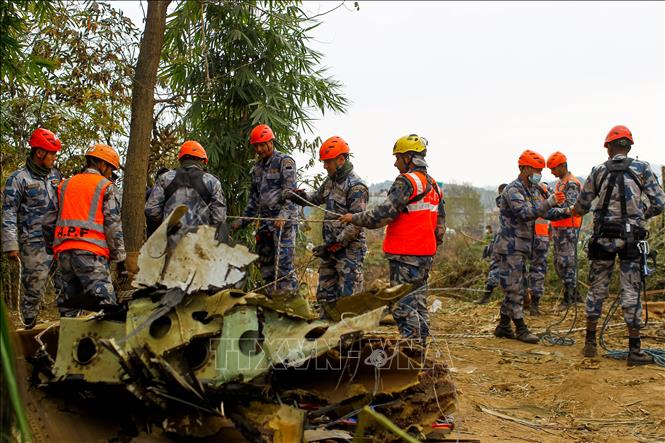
464,209
240,64
85,95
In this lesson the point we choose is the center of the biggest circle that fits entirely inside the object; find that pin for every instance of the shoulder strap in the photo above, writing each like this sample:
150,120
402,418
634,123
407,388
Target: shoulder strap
188,178
615,170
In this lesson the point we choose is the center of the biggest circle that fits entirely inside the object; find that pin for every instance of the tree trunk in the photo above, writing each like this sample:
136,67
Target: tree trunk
138,151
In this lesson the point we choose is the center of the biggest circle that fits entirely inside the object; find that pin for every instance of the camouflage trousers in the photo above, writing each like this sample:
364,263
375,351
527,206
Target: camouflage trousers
269,246
493,274
84,281
600,274
35,268
538,267
565,254
411,312
511,276
341,274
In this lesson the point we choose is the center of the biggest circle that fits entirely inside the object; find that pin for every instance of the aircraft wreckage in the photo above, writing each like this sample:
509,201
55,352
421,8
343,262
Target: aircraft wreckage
195,357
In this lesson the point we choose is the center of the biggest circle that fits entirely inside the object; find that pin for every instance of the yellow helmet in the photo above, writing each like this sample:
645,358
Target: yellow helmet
410,143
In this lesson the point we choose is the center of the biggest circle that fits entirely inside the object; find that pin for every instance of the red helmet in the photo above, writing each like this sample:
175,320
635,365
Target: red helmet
333,148
45,139
261,134
618,132
193,148
556,159
106,153
531,158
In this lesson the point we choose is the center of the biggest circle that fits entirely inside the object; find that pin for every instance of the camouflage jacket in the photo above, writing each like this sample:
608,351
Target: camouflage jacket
569,187
27,200
345,194
636,208
199,213
388,210
112,223
270,178
519,207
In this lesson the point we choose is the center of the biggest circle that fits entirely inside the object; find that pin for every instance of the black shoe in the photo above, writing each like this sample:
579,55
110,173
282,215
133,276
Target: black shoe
29,322
503,329
590,349
534,311
637,358
522,332
486,296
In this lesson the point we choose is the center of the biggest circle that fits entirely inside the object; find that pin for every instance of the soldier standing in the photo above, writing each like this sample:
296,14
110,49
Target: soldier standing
520,204
191,186
88,234
273,174
493,274
566,231
618,229
538,262
415,217
29,195
343,251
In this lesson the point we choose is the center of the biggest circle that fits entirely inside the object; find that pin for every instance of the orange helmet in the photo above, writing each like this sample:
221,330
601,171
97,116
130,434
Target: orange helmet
556,159
618,132
261,134
45,139
106,153
531,158
193,148
333,148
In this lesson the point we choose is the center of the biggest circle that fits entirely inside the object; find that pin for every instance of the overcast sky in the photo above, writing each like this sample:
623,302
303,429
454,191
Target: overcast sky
484,81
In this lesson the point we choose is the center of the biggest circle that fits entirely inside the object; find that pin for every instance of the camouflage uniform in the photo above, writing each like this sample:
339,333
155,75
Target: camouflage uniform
213,213
270,178
411,312
84,277
27,200
519,207
603,250
340,274
565,241
538,267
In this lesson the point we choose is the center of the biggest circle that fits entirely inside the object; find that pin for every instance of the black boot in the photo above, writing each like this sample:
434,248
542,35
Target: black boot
486,296
522,333
635,355
568,292
590,340
503,329
534,309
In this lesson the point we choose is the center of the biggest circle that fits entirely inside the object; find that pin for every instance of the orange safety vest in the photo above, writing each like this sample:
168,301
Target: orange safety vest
570,222
542,226
80,223
412,232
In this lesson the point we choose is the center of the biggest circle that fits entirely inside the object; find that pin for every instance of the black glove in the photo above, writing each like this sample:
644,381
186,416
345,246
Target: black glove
222,234
123,275
324,251
298,196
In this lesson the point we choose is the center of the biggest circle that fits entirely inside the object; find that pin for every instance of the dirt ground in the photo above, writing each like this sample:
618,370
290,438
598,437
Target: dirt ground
512,391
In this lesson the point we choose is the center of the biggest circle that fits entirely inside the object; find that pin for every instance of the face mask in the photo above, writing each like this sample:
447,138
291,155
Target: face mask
535,178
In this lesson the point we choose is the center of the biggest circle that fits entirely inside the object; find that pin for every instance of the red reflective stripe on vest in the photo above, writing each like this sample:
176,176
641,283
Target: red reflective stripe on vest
412,232
80,223
570,222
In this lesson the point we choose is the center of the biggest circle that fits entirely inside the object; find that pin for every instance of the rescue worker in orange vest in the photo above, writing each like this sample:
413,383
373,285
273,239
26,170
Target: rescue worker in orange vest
88,234
538,265
416,223
565,232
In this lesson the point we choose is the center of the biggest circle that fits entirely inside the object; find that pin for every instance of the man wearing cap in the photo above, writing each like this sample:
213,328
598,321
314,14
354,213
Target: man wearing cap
272,176
565,231
628,194
88,234
28,197
520,204
416,223
343,251
191,186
